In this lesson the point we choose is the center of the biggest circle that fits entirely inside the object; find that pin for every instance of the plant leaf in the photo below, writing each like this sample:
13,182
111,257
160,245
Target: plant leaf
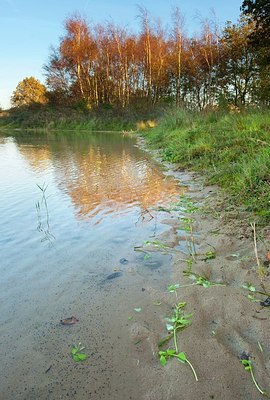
74,350
169,327
170,352
79,357
138,309
162,360
182,357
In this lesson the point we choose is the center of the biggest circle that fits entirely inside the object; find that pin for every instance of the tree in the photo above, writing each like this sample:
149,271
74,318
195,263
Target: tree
259,12
238,70
29,91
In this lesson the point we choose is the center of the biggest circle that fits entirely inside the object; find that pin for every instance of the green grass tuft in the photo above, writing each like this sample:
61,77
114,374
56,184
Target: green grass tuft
232,150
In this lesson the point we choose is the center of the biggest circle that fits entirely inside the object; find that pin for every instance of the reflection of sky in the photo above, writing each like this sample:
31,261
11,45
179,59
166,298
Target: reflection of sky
33,26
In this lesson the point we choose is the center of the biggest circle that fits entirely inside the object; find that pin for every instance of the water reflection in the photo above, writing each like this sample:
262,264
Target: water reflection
100,172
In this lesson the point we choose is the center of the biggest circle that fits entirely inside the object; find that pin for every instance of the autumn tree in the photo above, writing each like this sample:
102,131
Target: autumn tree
258,11
238,72
29,91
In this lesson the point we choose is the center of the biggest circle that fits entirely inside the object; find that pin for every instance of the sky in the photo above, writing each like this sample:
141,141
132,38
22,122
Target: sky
28,28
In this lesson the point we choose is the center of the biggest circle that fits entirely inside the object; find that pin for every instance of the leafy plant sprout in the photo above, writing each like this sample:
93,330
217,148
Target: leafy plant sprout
252,289
175,323
247,363
76,353
190,241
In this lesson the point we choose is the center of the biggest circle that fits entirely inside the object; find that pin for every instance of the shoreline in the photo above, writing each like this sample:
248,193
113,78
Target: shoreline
225,323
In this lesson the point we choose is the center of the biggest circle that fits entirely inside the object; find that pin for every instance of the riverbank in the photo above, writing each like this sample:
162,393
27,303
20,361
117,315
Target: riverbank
229,149
219,268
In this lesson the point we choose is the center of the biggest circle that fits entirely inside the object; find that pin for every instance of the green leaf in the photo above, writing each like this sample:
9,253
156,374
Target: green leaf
74,350
247,368
181,305
170,352
169,327
172,288
162,360
182,357
206,284
79,357
162,353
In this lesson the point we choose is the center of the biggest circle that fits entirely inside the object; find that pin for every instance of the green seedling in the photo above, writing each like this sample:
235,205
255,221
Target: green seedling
187,224
247,363
172,288
185,204
252,299
203,281
190,242
147,256
210,255
76,353
252,289
165,355
199,280
176,322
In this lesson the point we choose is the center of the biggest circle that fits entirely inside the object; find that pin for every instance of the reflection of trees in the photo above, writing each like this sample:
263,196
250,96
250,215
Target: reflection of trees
37,157
109,174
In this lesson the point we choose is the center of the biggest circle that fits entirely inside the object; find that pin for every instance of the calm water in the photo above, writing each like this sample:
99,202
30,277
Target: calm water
58,247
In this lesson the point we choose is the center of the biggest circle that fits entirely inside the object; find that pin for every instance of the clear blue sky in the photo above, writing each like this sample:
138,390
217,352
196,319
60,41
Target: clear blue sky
29,27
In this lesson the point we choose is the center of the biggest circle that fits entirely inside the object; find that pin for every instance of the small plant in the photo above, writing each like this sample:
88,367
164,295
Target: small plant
176,322
76,353
185,204
252,289
165,355
147,256
210,255
247,363
190,241
172,288
203,281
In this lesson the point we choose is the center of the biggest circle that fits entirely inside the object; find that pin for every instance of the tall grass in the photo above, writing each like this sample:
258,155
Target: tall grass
232,150
65,119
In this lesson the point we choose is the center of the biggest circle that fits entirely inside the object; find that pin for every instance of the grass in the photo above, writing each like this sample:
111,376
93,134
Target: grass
47,118
231,150
77,117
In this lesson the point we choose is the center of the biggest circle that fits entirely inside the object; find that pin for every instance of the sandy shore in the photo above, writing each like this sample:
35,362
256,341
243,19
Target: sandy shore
226,324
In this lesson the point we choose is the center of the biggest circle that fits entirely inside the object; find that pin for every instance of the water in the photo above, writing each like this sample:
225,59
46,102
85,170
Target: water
60,240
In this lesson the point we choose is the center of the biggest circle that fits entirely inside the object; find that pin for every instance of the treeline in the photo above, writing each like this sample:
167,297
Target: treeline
108,65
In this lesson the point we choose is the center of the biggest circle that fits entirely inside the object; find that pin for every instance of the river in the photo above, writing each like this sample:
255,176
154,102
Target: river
74,210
